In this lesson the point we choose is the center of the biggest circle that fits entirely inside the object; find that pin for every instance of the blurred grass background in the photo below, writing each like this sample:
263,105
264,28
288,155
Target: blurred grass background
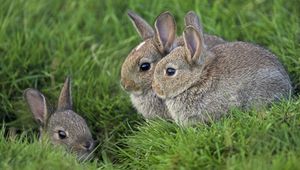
41,42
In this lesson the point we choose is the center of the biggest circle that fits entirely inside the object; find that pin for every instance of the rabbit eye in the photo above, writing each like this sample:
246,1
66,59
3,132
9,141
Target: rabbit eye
170,71
62,134
145,66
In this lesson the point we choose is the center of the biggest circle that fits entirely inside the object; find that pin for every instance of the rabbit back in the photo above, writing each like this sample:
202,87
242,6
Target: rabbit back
254,71
236,74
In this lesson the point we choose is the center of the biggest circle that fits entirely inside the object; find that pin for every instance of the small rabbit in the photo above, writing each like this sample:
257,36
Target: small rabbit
199,85
138,68
64,126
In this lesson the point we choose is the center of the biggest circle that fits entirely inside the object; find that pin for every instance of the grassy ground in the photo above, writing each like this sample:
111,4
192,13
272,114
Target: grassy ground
43,41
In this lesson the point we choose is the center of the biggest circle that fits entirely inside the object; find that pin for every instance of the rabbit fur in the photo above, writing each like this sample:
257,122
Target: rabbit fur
208,82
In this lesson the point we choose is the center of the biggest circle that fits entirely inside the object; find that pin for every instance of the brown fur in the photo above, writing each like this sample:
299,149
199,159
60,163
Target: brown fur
236,74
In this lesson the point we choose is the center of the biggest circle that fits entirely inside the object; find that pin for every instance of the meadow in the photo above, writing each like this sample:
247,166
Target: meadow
42,42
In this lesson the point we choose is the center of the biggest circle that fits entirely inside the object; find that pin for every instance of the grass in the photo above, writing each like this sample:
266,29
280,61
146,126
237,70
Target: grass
268,139
41,42
20,153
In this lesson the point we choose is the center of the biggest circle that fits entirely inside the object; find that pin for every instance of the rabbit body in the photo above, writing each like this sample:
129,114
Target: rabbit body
234,74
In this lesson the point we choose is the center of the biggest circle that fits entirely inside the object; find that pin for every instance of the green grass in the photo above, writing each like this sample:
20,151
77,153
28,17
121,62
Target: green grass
20,153
41,42
266,139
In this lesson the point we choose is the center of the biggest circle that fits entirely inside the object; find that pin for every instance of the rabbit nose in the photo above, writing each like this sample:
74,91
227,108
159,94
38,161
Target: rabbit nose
88,145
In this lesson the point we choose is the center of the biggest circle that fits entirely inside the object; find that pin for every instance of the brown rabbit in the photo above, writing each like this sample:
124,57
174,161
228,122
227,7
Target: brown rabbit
64,126
199,84
138,68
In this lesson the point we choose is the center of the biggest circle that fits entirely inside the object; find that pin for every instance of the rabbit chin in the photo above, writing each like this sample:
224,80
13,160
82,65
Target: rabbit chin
136,93
140,91
83,156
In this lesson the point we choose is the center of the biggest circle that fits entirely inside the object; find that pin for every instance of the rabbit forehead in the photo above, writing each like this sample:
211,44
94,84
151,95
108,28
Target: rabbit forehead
175,59
69,121
146,49
140,45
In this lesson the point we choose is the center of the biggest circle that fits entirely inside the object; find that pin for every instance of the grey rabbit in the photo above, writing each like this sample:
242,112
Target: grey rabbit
138,68
64,127
201,85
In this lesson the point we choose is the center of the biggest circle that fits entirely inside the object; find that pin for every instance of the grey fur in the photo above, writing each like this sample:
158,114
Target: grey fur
233,74
79,139
152,49
154,106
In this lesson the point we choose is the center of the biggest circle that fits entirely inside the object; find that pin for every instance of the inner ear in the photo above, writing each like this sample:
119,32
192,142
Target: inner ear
194,45
37,105
165,32
143,28
65,97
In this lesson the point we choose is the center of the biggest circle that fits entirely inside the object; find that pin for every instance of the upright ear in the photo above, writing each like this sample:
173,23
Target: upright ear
142,27
37,104
194,45
65,98
165,31
191,19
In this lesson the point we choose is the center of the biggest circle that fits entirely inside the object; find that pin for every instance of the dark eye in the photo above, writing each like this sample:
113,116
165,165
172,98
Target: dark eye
170,71
62,134
145,66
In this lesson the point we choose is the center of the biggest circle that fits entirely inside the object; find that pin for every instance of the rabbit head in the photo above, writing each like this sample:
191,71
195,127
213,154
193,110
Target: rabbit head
138,68
182,68
63,127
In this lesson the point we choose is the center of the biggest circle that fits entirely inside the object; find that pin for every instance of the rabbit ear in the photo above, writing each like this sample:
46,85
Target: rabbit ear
142,27
37,104
193,42
165,28
65,98
191,19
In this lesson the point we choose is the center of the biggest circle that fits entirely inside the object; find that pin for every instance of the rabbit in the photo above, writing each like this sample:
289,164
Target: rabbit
201,85
138,68
64,127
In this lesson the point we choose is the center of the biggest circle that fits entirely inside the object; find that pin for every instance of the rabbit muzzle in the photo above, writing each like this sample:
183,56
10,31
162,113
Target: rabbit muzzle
83,149
129,85
88,145
157,89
